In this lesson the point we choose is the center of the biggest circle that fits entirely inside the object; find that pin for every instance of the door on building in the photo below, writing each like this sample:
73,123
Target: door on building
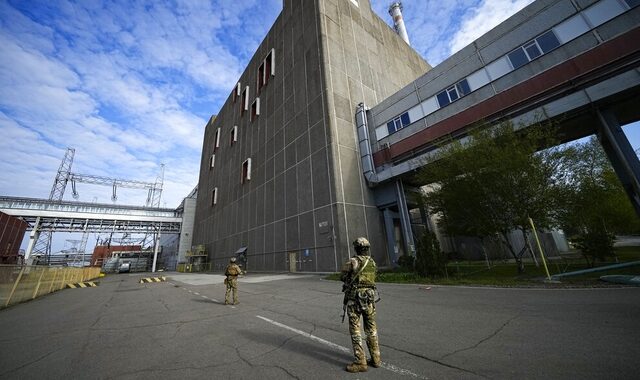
293,261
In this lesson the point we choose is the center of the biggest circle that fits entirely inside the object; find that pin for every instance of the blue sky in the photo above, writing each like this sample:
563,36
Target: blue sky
131,84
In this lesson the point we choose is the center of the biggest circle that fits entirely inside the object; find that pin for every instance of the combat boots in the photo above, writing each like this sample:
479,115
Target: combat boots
357,367
360,364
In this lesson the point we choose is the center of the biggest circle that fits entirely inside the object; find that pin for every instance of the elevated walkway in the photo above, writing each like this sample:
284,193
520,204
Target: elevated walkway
64,216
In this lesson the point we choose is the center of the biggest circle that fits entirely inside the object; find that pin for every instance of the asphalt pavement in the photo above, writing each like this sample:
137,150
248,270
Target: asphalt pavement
289,326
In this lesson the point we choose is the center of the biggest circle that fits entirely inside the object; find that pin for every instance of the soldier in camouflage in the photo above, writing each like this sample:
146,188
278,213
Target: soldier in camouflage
232,272
359,277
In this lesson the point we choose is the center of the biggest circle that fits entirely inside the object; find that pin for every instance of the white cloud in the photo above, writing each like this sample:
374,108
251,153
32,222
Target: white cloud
481,19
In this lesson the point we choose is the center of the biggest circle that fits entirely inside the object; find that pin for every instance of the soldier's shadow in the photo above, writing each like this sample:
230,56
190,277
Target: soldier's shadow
299,345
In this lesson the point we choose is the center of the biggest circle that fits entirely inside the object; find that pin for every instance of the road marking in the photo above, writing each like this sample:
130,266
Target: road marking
387,366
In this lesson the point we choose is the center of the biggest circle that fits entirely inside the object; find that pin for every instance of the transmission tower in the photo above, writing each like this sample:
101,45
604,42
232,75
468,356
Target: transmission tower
43,244
64,176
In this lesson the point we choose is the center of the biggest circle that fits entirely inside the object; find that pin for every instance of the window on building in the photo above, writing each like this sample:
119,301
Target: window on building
236,92
266,70
548,41
217,140
518,58
212,161
632,3
453,93
399,122
463,87
234,134
443,99
533,49
270,66
244,100
246,170
214,196
255,109
260,78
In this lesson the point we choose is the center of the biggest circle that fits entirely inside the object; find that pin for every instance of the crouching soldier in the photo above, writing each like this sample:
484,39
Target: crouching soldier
232,272
359,277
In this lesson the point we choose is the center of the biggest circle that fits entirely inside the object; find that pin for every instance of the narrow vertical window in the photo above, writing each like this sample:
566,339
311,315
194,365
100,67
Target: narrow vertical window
217,140
246,170
214,196
236,92
270,67
255,109
244,100
212,161
234,134
260,80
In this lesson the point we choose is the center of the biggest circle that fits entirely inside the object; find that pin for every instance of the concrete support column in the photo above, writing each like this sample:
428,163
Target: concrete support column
623,159
155,251
405,219
33,238
391,240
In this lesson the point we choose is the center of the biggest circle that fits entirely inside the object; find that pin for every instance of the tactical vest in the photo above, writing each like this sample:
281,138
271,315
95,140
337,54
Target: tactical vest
232,270
366,278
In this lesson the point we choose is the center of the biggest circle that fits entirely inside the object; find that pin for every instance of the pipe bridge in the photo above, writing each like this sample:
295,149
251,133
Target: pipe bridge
64,216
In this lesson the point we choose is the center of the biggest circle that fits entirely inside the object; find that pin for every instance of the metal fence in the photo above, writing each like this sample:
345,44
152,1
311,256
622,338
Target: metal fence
23,283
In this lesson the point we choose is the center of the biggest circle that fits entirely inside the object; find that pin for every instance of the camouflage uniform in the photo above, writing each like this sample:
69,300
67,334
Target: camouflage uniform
232,272
360,272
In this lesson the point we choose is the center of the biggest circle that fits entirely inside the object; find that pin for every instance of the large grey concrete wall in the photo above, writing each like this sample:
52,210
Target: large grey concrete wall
364,60
306,199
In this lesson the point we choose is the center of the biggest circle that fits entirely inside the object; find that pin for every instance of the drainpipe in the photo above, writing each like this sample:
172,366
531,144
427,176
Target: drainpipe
368,168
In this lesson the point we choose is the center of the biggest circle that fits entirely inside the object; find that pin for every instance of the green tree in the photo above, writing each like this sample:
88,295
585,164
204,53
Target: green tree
430,260
490,185
594,206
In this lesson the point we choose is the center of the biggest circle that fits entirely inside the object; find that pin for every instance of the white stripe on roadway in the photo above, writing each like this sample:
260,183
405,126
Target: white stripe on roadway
386,366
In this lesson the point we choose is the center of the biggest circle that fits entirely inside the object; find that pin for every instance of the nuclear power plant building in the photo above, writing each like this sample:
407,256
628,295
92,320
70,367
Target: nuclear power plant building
280,175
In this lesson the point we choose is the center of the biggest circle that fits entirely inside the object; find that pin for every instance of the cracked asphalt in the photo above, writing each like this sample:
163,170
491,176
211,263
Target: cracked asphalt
290,327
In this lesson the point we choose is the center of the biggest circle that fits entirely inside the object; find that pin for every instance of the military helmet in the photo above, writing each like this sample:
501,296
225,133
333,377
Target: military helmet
361,244
233,260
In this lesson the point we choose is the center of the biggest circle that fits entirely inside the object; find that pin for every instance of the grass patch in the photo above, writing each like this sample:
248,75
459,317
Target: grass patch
505,273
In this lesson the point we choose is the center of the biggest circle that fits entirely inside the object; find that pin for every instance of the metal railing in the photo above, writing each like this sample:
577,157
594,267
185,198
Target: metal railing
24,283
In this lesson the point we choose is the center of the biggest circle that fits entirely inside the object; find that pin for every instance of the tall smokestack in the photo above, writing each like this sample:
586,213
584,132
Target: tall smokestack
395,10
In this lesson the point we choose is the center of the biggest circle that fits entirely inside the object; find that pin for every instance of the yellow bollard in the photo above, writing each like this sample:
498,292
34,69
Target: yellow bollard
544,262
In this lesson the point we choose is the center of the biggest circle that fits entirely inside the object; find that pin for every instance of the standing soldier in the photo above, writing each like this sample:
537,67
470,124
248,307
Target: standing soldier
359,277
232,272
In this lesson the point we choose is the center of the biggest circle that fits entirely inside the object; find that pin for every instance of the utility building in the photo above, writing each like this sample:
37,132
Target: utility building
281,174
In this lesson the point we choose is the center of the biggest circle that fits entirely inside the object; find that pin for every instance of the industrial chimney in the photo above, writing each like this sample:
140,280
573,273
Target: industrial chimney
395,10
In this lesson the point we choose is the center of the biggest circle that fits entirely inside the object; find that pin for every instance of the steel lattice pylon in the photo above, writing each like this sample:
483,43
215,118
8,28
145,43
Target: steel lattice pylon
43,244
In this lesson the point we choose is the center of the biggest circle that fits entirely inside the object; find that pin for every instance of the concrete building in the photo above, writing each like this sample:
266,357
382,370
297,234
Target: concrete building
174,247
280,173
